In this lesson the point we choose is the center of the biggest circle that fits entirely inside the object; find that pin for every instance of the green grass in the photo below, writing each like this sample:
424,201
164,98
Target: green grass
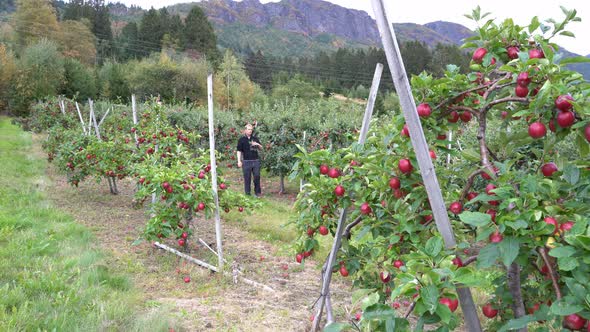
271,223
52,277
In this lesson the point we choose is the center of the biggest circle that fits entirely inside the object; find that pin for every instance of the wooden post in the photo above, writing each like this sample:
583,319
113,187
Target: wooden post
402,86
133,107
214,170
93,118
450,134
301,182
81,120
325,292
104,116
62,106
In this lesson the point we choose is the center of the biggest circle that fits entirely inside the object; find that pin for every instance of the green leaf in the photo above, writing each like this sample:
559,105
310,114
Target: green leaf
564,308
567,263
534,24
565,251
475,219
443,312
488,255
467,277
571,174
515,324
378,311
370,301
337,327
433,246
575,59
509,248
429,295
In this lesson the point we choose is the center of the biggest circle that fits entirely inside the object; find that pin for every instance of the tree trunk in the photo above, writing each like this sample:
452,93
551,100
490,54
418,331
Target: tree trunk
282,184
515,290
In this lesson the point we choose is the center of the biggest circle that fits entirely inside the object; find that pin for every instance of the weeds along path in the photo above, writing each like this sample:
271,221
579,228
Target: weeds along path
208,302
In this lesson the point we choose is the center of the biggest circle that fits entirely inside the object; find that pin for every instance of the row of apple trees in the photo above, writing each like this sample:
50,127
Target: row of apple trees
517,188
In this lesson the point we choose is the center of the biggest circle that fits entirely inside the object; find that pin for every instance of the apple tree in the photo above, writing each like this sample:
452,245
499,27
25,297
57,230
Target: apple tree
517,192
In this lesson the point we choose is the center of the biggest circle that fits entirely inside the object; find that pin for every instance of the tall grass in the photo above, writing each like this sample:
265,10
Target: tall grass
52,277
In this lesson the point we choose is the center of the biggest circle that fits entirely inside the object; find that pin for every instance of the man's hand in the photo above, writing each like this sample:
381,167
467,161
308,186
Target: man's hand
239,164
256,144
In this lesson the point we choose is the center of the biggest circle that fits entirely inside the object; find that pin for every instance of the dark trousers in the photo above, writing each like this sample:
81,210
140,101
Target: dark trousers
251,167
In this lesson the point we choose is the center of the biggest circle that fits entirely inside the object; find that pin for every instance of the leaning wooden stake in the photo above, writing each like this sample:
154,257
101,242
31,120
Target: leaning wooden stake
402,86
325,292
93,119
104,116
81,119
214,170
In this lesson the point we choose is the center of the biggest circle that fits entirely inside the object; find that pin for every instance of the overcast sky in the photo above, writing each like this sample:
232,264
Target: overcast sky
424,11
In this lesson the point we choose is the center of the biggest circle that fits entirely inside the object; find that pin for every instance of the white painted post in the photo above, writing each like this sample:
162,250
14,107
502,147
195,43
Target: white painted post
402,86
133,107
214,170
449,146
325,292
104,116
62,106
81,120
93,118
301,182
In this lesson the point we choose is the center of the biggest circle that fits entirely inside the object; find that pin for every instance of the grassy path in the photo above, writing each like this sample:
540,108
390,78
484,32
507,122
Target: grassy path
52,276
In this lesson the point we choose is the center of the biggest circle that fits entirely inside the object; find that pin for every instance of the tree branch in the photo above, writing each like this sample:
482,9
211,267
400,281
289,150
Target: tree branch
495,85
349,227
412,306
504,100
469,260
515,291
469,183
552,273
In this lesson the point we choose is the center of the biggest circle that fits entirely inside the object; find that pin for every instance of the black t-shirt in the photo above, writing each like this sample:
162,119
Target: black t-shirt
248,152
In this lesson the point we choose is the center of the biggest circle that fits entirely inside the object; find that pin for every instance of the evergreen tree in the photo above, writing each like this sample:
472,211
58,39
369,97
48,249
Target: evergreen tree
199,34
127,42
258,70
444,55
149,33
417,57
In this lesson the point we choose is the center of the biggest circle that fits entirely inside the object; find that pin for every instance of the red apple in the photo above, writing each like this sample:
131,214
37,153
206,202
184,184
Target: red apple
323,230
479,54
299,258
343,271
552,125
333,173
564,103
187,279
432,154
489,311
496,237
424,110
324,169
587,132
471,195
466,116
552,221
537,130
536,54
534,308
512,52
504,115
456,207
492,214
201,175
405,166
453,117
241,209
339,191
565,119
222,186
523,79
405,131
451,303
521,91
181,242
365,208
394,183
457,261
184,235
358,316
385,276
566,226
398,263
548,169
310,231
201,206
489,189
574,322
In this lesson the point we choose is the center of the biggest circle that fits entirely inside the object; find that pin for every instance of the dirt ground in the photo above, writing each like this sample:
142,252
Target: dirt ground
210,301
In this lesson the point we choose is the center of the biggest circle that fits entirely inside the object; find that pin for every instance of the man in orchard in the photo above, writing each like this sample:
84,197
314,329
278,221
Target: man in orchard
248,146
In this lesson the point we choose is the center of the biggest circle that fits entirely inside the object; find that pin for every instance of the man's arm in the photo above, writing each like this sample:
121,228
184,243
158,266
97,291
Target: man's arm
239,159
